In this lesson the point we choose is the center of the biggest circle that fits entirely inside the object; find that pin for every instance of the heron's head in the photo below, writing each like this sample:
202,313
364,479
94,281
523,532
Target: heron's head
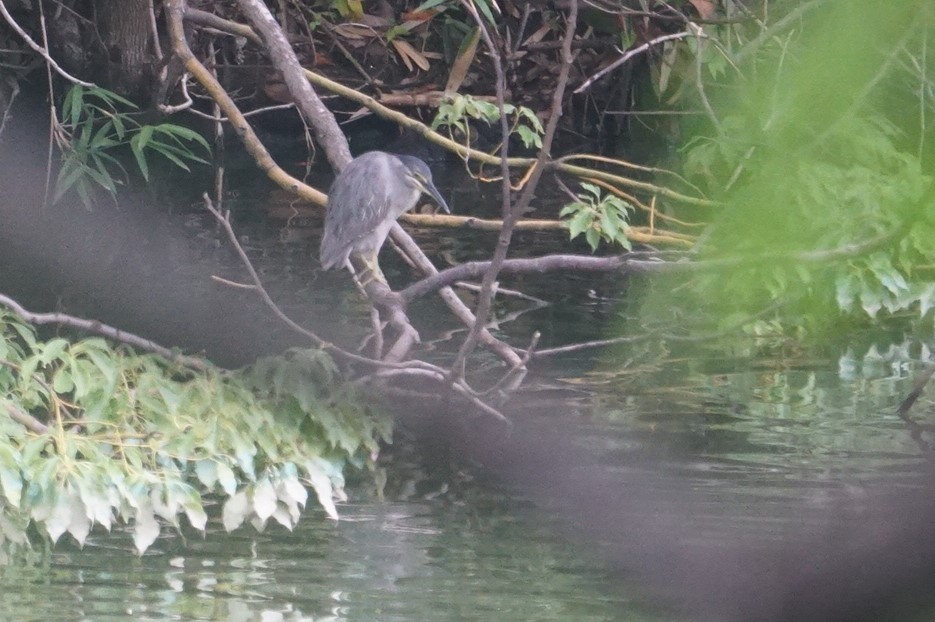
419,176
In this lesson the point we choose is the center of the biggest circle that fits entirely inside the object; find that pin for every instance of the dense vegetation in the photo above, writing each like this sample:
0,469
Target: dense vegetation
798,197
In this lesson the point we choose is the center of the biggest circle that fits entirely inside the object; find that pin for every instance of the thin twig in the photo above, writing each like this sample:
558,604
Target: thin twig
26,420
587,345
14,92
540,265
246,115
459,387
41,51
630,54
525,199
268,300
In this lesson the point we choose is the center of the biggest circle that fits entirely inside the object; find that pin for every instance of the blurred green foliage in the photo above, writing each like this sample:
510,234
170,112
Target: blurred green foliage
827,210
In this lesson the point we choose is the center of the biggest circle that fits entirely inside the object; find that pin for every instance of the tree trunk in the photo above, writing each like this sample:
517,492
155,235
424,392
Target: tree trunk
129,67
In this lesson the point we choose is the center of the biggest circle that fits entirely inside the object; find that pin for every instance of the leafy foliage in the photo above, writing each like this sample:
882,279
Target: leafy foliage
827,212
598,217
133,439
96,124
457,113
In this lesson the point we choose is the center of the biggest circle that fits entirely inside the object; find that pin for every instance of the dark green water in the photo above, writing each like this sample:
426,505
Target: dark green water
760,439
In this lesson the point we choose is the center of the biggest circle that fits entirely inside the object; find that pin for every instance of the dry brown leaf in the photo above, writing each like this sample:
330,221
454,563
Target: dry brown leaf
705,8
374,21
353,31
418,17
537,36
410,55
462,63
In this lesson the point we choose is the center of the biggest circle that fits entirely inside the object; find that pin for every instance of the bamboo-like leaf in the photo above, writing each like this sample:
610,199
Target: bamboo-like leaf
463,61
410,55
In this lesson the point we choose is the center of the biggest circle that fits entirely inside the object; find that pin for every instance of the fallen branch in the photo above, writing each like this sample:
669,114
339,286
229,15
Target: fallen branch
420,129
324,126
175,11
104,330
917,389
540,265
640,235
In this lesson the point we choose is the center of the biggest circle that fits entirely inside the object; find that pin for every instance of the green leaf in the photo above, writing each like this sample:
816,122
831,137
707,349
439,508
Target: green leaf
593,237
225,476
592,189
11,480
73,104
196,515
207,473
264,499
429,4
530,138
484,7
321,483
167,152
178,132
102,137
146,527
610,225
62,381
235,511
579,223
61,515
52,350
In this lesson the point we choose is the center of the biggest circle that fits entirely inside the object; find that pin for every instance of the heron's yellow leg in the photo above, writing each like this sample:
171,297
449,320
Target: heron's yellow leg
372,271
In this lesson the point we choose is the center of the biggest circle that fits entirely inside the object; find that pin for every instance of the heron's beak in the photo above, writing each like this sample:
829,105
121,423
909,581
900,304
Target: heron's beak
433,192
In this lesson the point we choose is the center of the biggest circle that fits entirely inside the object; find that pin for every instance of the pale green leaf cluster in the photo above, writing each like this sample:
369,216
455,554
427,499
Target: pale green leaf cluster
598,217
97,124
136,441
826,212
461,109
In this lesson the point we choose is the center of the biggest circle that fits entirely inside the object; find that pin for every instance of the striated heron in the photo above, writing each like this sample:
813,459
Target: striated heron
365,200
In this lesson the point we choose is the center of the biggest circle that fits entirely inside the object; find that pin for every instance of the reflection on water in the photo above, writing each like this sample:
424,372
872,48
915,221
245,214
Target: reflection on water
405,561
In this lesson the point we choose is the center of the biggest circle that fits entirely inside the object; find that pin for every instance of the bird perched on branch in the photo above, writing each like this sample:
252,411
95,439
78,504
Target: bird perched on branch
365,200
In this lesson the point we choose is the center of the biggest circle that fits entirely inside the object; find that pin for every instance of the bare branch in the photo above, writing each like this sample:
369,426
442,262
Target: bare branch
513,214
539,265
175,11
323,124
41,51
630,54
105,330
25,419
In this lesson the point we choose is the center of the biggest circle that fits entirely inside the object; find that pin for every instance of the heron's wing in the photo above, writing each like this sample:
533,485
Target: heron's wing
358,203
